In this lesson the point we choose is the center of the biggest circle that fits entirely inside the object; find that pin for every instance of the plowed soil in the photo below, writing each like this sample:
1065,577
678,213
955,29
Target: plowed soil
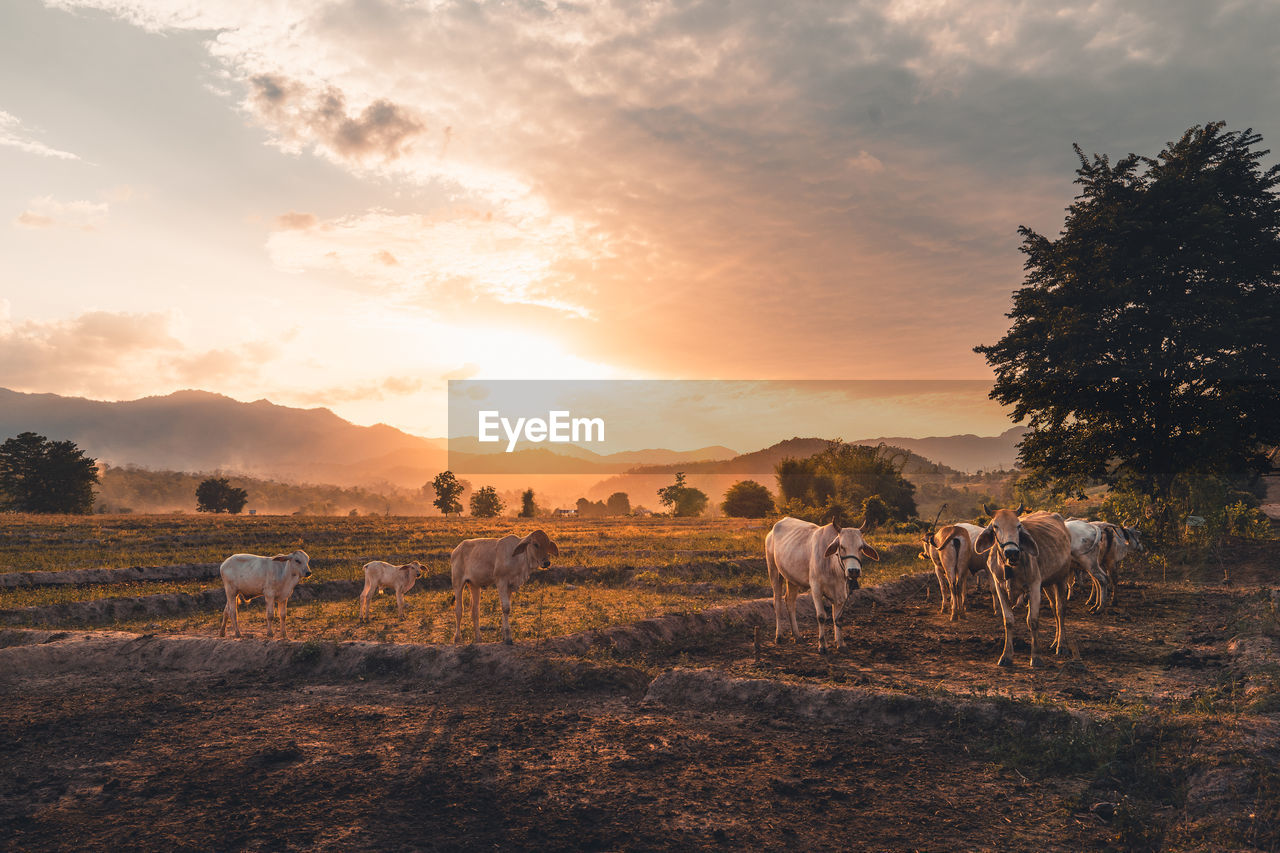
1163,733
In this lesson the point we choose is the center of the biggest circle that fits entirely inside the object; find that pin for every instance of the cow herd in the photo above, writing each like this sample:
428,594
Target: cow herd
1028,558
476,563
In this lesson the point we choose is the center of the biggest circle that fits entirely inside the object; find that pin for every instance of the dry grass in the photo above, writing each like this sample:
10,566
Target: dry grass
630,569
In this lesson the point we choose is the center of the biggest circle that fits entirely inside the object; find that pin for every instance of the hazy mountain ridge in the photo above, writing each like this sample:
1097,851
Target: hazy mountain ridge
202,431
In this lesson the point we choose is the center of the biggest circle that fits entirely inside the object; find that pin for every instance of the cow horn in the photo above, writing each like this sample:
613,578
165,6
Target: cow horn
987,509
1021,508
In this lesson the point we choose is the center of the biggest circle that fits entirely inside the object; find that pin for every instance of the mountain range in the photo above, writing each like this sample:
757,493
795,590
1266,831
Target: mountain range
203,431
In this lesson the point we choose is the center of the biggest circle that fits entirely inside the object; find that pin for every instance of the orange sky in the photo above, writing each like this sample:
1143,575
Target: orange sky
347,203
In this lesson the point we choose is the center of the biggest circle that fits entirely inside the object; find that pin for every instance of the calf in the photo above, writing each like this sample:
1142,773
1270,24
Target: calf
1027,554
826,561
505,563
954,562
245,577
378,574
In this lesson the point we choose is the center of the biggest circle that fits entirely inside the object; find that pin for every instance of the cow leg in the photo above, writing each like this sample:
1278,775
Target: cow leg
822,616
228,609
365,595
779,585
942,587
836,610
400,602
457,610
793,592
271,612
1033,621
1060,615
1001,597
504,598
475,611
958,593
283,606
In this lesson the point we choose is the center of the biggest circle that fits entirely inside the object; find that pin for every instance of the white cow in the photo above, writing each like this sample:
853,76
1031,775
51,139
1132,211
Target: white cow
246,576
505,563
1118,542
378,574
1086,555
826,561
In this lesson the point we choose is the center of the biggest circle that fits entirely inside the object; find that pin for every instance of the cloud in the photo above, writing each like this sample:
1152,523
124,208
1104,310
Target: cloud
47,212
427,258
294,220
749,189
381,132
14,134
116,354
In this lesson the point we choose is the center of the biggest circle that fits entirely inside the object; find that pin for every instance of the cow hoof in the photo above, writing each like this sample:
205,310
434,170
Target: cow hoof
1005,660
507,642
822,650
1037,661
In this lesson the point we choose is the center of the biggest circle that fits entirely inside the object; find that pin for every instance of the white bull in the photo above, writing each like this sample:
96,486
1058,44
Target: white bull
826,561
246,576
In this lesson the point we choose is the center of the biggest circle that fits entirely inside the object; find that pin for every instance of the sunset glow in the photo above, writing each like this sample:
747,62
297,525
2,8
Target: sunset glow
345,204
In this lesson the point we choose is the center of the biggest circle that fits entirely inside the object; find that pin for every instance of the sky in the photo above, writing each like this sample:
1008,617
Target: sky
346,203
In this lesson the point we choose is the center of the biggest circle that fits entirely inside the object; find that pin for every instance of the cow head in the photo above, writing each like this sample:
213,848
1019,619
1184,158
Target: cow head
298,561
1006,531
1133,538
411,571
848,548
540,547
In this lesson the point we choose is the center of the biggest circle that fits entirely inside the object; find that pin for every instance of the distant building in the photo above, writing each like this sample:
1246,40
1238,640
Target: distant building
564,513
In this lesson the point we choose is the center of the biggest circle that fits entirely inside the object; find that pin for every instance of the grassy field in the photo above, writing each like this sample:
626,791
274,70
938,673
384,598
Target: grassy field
1158,731
621,570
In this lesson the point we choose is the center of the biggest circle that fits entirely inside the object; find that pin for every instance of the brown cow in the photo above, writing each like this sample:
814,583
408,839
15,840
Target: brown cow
954,562
505,563
1027,555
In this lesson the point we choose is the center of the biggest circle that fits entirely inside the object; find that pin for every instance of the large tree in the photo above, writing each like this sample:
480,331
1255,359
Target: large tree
1146,339
747,499
447,489
216,494
685,501
485,503
40,475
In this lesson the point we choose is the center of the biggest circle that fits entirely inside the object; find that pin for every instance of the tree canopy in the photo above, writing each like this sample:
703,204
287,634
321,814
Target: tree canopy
841,478
44,476
485,503
747,499
1144,342
684,501
448,489
216,494
528,508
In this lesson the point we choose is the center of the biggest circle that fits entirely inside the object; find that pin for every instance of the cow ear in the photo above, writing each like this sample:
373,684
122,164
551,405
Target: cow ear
279,558
869,552
985,540
1026,543
520,548
831,549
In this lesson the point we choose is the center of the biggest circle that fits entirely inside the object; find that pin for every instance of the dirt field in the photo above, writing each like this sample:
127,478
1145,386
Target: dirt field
672,733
